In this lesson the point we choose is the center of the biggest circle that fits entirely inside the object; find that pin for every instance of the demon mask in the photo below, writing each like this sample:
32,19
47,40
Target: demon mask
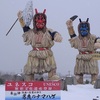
84,28
39,21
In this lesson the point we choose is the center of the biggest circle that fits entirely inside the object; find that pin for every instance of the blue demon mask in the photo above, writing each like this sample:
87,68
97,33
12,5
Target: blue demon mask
84,28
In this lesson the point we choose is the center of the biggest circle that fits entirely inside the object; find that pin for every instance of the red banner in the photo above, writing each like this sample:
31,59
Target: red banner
32,85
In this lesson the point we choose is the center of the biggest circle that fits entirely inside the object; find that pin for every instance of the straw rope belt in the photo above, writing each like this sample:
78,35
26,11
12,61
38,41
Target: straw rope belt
40,48
85,52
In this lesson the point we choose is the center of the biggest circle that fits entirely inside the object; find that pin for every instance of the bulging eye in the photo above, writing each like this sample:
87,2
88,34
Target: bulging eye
81,31
37,18
86,30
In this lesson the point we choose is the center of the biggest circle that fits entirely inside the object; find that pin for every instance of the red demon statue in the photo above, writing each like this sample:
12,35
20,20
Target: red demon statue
41,38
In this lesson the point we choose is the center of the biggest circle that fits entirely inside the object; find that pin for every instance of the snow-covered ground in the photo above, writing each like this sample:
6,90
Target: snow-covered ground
2,92
75,92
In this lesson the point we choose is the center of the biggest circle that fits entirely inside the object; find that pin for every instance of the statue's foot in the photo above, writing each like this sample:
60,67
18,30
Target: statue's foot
29,77
54,77
79,79
93,82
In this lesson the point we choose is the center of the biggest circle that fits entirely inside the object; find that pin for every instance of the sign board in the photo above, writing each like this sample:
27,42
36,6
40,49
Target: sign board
96,55
33,90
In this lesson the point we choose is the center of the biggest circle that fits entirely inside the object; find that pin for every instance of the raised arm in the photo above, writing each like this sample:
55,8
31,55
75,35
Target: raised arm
70,28
22,23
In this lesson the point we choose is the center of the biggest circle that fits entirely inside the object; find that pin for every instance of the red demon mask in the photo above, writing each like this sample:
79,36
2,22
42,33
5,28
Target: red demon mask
40,20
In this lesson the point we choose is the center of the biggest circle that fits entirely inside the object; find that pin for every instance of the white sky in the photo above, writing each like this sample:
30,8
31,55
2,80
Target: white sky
13,52
75,92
